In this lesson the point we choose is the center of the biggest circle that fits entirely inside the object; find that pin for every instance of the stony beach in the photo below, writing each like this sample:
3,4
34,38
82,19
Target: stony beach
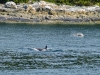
44,12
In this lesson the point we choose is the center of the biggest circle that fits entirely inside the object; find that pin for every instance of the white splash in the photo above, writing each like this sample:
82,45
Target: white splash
78,34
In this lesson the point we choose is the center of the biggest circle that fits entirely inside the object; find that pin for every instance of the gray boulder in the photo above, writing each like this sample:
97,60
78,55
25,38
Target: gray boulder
11,4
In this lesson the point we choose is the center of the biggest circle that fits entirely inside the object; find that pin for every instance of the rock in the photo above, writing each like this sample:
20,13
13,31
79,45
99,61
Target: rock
92,8
42,3
11,5
98,9
39,4
47,18
35,4
31,9
52,12
2,18
47,8
42,6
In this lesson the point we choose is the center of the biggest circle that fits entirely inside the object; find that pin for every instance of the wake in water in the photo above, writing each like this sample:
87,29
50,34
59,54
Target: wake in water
78,35
45,50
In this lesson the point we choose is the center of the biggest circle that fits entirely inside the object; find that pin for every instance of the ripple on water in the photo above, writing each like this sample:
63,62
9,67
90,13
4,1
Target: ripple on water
52,59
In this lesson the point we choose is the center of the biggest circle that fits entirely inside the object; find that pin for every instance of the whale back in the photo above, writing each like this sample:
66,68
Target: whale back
41,49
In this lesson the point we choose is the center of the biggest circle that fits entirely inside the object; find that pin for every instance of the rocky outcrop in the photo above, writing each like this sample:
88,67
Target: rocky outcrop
11,5
43,12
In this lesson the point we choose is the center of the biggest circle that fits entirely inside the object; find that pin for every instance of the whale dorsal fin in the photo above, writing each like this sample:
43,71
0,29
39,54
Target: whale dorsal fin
45,47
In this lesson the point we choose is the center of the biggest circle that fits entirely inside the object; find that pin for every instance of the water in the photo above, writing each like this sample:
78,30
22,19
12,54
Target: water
67,53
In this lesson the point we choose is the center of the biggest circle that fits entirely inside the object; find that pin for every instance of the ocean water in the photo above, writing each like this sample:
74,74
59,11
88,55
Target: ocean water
72,49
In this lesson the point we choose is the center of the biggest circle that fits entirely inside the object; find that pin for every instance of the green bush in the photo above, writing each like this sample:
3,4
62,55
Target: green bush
59,2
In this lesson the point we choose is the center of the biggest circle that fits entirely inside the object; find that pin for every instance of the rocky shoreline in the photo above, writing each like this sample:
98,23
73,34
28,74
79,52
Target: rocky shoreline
44,12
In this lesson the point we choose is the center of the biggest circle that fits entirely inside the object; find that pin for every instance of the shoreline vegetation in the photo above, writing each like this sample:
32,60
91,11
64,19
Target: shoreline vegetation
59,2
43,12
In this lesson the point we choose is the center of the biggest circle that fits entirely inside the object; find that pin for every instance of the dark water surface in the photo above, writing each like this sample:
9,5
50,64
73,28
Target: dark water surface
67,53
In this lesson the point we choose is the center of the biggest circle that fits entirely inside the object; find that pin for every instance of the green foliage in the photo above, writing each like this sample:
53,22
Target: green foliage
75,2
3,1
17,1
21,1
69,2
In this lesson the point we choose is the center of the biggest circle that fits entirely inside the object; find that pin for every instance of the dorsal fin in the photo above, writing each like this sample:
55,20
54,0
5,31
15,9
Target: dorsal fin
45,47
